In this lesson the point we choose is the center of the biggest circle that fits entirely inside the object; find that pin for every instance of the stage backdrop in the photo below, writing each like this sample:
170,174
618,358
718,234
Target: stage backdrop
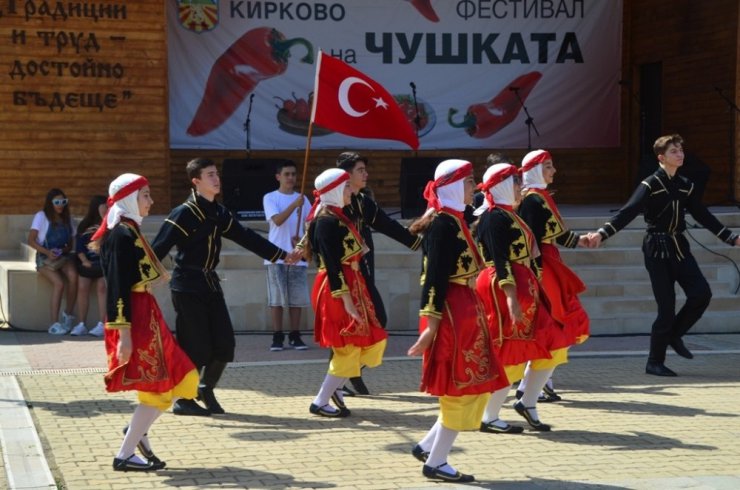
472,63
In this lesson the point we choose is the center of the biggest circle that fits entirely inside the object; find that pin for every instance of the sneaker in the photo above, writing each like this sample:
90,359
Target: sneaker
277,341
79,329
68,321
58,329
98,330
296,342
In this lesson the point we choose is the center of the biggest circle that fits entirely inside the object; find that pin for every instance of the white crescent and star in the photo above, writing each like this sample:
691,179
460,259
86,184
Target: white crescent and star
343,96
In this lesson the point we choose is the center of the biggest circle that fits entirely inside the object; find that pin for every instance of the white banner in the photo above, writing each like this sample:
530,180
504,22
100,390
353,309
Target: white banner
474,65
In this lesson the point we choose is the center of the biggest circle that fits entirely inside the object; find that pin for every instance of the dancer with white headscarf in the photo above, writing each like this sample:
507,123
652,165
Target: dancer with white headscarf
508,286
560,283
459,363
142,353
345,318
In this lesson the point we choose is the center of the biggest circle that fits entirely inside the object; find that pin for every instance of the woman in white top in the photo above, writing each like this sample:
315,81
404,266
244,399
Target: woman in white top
52,236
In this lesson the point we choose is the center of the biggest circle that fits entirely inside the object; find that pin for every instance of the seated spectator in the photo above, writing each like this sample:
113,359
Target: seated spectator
52,236
88,267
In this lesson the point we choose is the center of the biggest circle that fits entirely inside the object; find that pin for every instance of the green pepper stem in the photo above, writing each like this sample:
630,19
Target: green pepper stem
467,122
281,47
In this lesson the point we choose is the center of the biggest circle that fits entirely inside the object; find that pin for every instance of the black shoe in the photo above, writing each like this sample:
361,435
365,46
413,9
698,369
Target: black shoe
128,465
184,406
339,402
550,395
205,394
658,369
277,341
492,428
519,394
359,385
326,412
437,474
681,349
147,452
419,453
295,341
533,422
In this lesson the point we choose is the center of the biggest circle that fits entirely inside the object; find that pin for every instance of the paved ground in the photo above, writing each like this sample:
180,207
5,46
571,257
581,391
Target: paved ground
616,428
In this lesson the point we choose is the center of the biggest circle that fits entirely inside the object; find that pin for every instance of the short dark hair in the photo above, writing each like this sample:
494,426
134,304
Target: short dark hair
280,165
661,144
495,158
195,166
347,160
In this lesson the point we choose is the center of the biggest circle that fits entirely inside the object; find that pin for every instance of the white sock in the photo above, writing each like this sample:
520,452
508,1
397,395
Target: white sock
141,420
328,387
494,405
550,384
441,448
426,443
536,380
523,382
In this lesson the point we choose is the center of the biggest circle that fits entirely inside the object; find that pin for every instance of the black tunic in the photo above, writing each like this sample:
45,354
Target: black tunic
196,228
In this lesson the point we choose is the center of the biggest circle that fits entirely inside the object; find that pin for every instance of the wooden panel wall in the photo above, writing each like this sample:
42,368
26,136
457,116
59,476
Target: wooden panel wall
60,138
697,44
82,148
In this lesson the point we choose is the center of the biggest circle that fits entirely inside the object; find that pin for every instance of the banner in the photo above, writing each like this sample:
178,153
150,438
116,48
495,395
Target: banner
463,71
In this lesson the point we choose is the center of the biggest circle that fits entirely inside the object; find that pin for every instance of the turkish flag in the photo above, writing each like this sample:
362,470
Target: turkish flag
349,102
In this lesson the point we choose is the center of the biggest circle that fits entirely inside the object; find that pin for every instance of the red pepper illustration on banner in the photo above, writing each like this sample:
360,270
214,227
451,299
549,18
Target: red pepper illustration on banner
425,8
485,119
259,54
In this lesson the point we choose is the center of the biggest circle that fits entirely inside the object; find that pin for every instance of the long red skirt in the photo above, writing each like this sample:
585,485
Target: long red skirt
462,359
562,287
537,335
333,327
157,363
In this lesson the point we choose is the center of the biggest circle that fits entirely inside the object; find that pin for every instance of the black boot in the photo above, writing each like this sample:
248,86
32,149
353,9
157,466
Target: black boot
209,377
183,406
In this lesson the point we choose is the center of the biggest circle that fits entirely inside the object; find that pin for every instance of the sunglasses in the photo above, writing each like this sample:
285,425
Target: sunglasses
60,202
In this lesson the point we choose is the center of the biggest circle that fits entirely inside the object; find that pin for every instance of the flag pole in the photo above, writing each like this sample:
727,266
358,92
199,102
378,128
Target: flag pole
303,177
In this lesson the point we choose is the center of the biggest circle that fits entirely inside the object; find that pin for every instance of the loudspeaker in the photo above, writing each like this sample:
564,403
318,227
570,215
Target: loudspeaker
244,182
415,173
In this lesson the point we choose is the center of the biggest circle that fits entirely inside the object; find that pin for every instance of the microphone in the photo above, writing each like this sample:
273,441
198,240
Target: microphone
413,85
513,88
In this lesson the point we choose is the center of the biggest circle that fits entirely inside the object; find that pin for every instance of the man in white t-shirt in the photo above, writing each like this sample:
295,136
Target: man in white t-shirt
287,285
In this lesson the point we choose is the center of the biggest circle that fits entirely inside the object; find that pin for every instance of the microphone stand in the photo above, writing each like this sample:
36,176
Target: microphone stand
417,118
731,109
247,124
529,121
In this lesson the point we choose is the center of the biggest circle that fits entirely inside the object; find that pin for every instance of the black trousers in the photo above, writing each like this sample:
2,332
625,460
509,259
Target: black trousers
203,327
367,267
669,325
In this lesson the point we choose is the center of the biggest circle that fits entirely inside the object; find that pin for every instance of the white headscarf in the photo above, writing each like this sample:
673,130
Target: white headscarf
127,206
329,190
500,188
448,187
532,177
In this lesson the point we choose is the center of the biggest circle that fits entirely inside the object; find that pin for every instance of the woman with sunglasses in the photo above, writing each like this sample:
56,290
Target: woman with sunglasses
520,324
52,236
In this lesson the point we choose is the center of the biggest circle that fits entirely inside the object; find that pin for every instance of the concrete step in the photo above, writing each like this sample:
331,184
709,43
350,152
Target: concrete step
614,305
637,323
638,289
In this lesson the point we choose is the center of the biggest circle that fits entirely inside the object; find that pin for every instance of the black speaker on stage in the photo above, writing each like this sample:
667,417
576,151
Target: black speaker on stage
415,173
244,182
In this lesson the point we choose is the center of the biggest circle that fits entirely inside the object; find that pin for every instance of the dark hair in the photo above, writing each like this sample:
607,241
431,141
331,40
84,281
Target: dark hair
661,144
93,214
495,158
195,166
420,225
347,160
280,165
49,211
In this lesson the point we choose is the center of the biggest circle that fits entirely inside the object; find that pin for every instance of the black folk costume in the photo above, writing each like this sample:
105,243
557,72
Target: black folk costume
157,367
203,324
338,247
509,250
460,367
664,201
